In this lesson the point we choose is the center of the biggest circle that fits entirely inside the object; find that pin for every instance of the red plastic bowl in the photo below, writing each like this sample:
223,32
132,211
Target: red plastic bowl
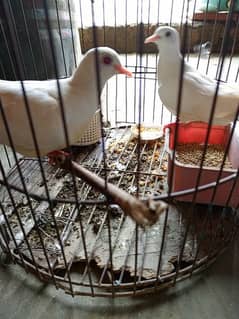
185,176
195,132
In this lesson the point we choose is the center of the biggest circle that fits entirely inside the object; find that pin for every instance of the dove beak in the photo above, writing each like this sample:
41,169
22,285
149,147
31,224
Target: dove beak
120,69
152,38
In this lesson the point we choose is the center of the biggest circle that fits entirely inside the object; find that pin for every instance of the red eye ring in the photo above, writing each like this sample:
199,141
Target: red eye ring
107,60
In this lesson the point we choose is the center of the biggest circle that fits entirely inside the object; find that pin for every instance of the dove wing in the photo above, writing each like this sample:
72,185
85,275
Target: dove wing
44,111
197,99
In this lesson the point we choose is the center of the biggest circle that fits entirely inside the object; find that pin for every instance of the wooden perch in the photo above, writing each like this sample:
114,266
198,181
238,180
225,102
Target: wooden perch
142,212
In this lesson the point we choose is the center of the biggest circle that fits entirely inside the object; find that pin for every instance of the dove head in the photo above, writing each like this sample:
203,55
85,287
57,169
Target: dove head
108,63
166,39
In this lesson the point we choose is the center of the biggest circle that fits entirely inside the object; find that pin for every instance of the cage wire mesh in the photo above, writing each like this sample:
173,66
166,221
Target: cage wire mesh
56,224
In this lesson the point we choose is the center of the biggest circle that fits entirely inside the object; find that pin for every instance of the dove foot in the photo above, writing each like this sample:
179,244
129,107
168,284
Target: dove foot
55,158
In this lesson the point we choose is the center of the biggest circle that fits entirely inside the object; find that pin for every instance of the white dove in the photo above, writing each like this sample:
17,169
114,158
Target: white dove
80,100
198,90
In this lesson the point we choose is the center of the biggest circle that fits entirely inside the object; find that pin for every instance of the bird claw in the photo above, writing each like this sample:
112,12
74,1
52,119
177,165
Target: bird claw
57,158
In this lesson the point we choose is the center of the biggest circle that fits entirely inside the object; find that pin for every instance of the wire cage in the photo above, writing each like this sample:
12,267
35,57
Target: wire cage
53,221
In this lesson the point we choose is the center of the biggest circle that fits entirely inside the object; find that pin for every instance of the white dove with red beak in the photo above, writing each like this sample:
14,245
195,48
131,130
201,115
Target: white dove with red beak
80,100
198,90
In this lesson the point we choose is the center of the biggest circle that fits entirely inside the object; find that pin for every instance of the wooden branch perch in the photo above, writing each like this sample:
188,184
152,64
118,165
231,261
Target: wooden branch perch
142,212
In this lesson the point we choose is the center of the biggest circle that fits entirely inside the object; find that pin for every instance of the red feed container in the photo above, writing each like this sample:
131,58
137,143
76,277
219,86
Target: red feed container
185,176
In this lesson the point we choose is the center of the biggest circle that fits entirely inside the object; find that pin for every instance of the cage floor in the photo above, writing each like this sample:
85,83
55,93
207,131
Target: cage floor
98,245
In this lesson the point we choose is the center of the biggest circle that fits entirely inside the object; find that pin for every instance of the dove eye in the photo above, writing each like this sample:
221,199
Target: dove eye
167,34
107,60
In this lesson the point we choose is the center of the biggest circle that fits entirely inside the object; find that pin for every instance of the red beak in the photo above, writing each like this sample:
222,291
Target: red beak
152,38
120,69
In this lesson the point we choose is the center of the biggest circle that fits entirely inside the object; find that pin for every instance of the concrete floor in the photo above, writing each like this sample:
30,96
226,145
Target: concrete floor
211,294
